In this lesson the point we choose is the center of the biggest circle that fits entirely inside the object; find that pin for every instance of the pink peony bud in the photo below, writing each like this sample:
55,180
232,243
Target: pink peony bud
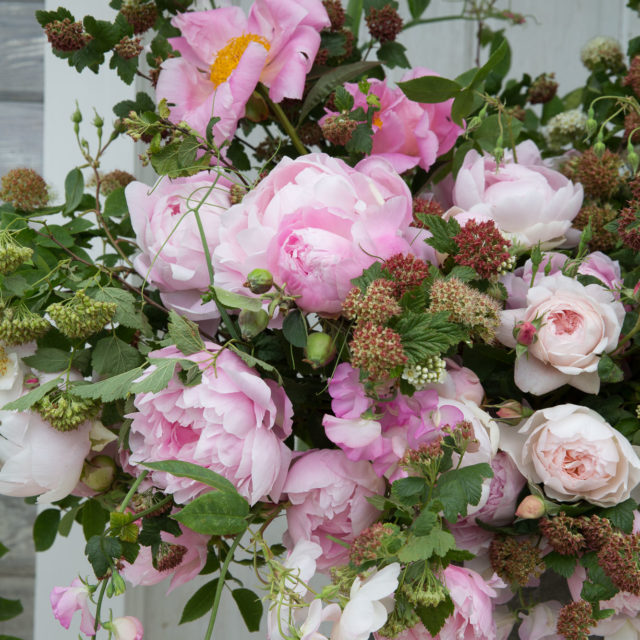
531,508
525,333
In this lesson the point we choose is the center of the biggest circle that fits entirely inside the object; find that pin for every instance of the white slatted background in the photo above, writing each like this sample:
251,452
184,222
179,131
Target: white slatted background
549,42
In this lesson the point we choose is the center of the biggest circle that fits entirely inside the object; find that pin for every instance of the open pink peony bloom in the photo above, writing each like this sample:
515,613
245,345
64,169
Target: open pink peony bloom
529,202
328,496
233,422
579,323
126,628
315,223
38,460
575,454
65,601
407,133
173,258
224,54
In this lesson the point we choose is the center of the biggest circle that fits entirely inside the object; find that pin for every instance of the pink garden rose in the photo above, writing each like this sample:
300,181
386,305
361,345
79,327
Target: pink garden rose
579,323
575,454
224,54
407,133
529,202
65,601
126,628
328,495
172,257
315,223
233,423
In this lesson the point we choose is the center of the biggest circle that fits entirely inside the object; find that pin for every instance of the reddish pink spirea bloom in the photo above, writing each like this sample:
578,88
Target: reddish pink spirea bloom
224,54
65,601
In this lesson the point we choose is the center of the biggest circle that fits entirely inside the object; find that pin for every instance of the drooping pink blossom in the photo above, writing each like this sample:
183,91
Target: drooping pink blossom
65,601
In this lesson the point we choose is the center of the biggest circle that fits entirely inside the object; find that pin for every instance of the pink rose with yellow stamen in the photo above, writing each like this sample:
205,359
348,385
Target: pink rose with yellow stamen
224,54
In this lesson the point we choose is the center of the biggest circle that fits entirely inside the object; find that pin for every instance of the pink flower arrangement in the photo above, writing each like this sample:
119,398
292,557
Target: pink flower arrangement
233,422
225,54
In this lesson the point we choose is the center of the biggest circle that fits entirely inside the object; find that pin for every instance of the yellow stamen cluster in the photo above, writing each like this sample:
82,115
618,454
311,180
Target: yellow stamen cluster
228,58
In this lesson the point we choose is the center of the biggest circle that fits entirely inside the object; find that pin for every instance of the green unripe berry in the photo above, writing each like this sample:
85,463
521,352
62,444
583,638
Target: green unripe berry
320,349
259,281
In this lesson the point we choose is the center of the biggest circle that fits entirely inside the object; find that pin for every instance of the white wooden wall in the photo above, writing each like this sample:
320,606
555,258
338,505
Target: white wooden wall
549,42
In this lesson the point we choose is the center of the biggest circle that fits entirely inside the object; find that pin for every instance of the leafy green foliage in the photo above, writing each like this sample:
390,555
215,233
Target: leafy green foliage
219,513
45,529
437,542
101,552
250,607
621,515
562,564
294,328
112,356
10,609
185,334
459,488
430,89
183,469
608,370
200,602
433,618
29,399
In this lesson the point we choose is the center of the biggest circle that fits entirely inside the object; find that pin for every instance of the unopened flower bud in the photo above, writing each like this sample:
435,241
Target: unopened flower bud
119,586
599,148
525,333
531,508
252,323
320,349
98,473
512,410
76,116
98,121
632,158
592,126
259,281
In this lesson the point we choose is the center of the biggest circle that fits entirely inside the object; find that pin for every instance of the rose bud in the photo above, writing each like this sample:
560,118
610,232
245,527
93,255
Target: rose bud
525,333
320,349
531,508
259,281
98,473
252,322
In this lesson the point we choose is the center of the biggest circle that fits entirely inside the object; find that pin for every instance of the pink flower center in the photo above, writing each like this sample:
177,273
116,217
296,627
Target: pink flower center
565,322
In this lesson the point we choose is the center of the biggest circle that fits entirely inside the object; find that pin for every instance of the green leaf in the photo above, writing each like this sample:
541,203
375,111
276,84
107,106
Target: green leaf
10,609
115,206
608,370
354,11
29,399
621,515
433,618
185,334
239,159
61,235
335,78
598,586
45,17
487,134
93,517
343,100
200,602
236,300
218,513
113,356
125,67
466,102
48,359
110,389
561,564
294,328
157,377
463,273
494,59
393,55
369,275
143,102
193,471
418,7
459,488
633,47
250,607
430,89
3,550
424,523
126,312
443,232
408,490
361,139
254,362
105,34
100,550
67,520
45,529
73,190
437,542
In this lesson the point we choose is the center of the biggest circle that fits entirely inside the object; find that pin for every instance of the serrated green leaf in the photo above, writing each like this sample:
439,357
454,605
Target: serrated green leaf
100,550
294,328
48,359
443,232
437,542
115,206
430,89
393,55
237,156
10,609
361,140
433,618
112,356
45,17
142,103
494,59
200,602
369,275
157,377
29,399
110,389
195,472
608,370
621,515
125,67
185,334
45,529
459,488
126,312
217,513
463,273
343,100
423,524
408,490
237,300
254,362
250,607
94,517
418,7
563,565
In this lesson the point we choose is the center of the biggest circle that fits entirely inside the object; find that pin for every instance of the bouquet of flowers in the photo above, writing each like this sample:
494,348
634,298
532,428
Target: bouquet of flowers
401,317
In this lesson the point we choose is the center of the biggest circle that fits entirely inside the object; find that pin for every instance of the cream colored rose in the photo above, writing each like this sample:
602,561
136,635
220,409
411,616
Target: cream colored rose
579,323
575,454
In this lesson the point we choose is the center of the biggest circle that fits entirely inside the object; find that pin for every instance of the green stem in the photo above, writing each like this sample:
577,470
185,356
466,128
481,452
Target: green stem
284,121
103,588
132,491
418,21
220,585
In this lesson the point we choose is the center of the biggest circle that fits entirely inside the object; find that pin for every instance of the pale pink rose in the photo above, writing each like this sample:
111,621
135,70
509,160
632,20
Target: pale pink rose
575,454
172,257
31,451
540,622
126,628
316,615
224,54
142,571
328,496
529,202
12,372
460,383
406,133
579,324
233,423
65,601
315,223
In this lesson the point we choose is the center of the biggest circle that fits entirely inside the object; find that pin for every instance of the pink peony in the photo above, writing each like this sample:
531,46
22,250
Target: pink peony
38,460
172,257
529,202
142,571
407,133
579,323
460,383
575,454
315,223
233,422
328,496
126,628
224,55
65,601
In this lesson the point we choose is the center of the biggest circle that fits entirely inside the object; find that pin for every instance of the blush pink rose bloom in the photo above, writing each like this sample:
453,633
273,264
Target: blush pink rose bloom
575,454
529,202
126,628
407,133
579,324
233,423
172,257
31,451
315,223
224,54
65,601
142,571
328,495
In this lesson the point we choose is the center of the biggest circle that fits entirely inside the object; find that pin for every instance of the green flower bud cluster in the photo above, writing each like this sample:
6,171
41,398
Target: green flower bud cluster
12,255
432,370
64,411
81,316
19,325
